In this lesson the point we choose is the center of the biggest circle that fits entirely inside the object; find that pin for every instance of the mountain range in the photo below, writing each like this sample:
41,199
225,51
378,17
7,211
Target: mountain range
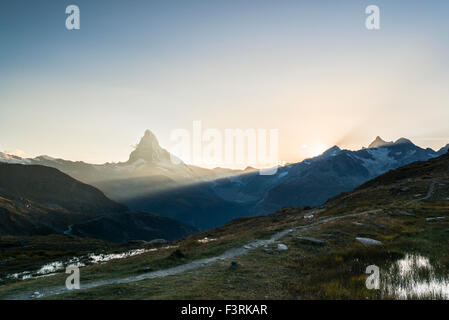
306,183
313,181
204,198
397,222
148,169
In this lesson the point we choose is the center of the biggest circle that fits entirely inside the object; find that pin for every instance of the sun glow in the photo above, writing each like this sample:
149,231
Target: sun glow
314,150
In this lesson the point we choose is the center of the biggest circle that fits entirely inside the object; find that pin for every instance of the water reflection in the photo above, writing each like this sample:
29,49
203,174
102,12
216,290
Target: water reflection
413,277
54,267
206,240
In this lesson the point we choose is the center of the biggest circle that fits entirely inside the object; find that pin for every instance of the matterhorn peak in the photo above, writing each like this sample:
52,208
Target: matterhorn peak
148,149
379,142
148,139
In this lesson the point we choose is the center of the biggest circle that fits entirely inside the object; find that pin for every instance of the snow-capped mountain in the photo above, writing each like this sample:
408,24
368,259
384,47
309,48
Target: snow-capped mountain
149,168
313,181
207,198
379,142
149,150
8,158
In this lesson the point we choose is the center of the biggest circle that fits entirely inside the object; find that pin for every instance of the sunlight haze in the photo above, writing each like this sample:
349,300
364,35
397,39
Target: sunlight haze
314,72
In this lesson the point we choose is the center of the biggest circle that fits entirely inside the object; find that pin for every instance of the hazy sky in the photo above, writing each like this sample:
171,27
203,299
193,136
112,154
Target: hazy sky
308,68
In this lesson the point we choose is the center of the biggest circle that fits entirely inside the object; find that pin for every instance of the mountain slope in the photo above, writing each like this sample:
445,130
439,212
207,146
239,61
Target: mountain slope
38,200
196,205
54,189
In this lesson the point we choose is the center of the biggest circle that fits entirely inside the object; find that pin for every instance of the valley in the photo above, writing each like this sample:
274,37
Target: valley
223,150
39,200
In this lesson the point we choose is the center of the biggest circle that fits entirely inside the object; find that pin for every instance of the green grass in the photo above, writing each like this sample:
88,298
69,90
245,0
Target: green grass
333,271
147,262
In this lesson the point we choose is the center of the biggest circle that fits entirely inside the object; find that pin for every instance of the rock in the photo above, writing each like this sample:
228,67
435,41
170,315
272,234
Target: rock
268,250
158,241
147,269
369,241
177,254
282,247
436,219
310,240
405,213
396,190
308,216
234,264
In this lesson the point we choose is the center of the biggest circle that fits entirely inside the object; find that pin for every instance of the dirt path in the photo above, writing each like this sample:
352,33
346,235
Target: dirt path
428,195
232,253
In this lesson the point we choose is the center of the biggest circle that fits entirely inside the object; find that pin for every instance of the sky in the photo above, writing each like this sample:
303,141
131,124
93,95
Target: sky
310,69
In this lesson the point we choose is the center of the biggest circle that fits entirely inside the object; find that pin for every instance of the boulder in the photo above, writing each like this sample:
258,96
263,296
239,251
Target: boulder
158,241
408,214
369,241
436,219
282,247
310,240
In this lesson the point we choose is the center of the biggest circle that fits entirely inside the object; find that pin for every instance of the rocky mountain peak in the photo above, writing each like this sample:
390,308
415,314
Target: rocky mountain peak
335,150
148,149
379,142
403,141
